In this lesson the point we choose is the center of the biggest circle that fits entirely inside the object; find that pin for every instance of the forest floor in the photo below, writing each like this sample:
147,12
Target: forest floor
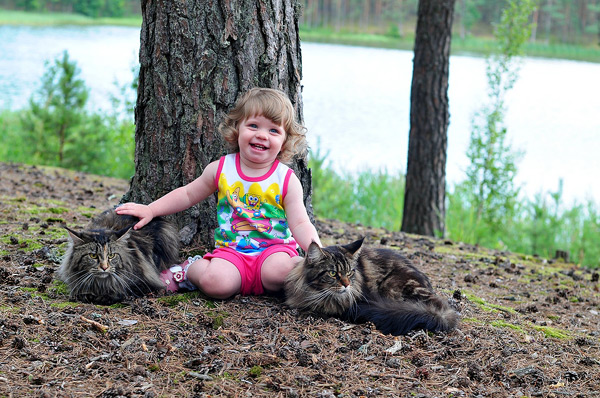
530,327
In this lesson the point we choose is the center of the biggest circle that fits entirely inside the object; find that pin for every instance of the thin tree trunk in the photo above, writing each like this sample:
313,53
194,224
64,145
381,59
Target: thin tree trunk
400,16
548,20
196,59
424,199
536,16
463,15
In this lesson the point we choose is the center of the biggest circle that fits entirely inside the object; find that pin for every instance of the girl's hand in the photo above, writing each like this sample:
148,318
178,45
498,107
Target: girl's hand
143,212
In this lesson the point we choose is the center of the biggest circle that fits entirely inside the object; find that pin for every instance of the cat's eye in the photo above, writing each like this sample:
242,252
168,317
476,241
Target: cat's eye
111,256
93,255
332,274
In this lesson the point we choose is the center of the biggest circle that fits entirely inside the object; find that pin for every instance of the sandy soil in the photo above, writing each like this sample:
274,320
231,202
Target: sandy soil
529,328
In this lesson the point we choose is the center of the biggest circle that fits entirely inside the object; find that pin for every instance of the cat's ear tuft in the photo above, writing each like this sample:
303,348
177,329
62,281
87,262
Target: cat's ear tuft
314,253
354,247
123,234
75,237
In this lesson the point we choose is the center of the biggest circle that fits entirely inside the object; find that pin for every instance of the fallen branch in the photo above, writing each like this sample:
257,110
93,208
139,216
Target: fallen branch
102,328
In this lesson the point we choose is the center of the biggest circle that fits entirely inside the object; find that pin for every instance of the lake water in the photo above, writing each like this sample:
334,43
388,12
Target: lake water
357,102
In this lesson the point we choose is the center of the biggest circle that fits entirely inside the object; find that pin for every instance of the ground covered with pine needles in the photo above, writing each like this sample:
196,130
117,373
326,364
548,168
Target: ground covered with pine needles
530,327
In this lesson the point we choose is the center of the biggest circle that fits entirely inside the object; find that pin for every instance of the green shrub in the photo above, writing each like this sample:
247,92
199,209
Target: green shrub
56,130
366,197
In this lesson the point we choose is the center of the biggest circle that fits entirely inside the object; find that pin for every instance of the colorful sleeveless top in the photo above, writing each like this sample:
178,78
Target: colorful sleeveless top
250,209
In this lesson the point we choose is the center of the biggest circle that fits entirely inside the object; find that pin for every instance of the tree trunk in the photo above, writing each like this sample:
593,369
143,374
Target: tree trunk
463,15
196,59
549,7
536,16
424,198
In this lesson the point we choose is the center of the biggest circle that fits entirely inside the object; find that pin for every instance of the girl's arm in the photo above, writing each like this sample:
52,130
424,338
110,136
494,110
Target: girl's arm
177,200
303,230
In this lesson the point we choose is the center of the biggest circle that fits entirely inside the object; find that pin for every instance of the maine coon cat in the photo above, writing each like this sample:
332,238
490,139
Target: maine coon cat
109,261
359,284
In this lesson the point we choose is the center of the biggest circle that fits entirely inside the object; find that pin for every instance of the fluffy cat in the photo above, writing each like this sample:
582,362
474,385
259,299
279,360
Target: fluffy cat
109,261
361,284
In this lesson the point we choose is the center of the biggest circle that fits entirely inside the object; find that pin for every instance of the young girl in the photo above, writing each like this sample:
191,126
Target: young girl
260,207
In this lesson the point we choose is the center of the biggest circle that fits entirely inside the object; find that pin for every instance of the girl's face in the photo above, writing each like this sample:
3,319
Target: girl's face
260,140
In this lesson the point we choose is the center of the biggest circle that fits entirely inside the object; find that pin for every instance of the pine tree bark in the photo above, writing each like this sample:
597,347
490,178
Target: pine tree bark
196,59
425,192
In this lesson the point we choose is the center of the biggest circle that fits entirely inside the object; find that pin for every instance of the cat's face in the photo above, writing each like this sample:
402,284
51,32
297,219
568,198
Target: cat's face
331,282
100,260
329,269
95,263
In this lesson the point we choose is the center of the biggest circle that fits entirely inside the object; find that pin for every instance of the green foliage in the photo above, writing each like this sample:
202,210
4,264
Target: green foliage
44,18
564,21
114,8
100,8
56,129
55,113
255,372
29,5
546,227
539,226
90,8
461,217
485,208
489,188
123,105
368,198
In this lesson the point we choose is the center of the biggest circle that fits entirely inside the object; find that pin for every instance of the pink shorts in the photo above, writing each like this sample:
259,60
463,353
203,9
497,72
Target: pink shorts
250,266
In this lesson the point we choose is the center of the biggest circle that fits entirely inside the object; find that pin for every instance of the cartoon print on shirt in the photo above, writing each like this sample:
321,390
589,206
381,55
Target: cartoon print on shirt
253,220
253,202
244,218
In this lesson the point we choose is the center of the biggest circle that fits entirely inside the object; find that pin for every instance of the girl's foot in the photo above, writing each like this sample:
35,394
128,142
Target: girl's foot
174,278
171,278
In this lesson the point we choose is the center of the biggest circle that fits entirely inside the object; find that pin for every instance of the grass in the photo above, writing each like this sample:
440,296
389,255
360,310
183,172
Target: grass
548,332
504,324
485,306
375,198
28,244
175,299
324,35
86,211
9,17
357,198
552,332
469,45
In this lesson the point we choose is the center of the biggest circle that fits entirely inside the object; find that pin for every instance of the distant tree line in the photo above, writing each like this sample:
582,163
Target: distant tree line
90,8
556,21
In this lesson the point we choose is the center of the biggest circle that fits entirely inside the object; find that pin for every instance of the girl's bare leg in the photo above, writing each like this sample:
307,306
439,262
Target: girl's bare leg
216,278
275,269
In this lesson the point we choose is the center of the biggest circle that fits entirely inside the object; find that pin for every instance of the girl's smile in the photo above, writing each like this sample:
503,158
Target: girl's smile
260,140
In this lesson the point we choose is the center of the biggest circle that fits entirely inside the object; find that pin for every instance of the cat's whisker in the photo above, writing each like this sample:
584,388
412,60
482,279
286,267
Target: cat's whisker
134,280
75,276
78,278
81,285
121,281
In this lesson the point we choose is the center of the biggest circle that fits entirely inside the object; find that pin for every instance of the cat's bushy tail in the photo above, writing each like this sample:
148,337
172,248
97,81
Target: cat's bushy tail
400,317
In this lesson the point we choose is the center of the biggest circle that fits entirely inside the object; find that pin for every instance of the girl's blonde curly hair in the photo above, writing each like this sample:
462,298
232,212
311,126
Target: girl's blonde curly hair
275,106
